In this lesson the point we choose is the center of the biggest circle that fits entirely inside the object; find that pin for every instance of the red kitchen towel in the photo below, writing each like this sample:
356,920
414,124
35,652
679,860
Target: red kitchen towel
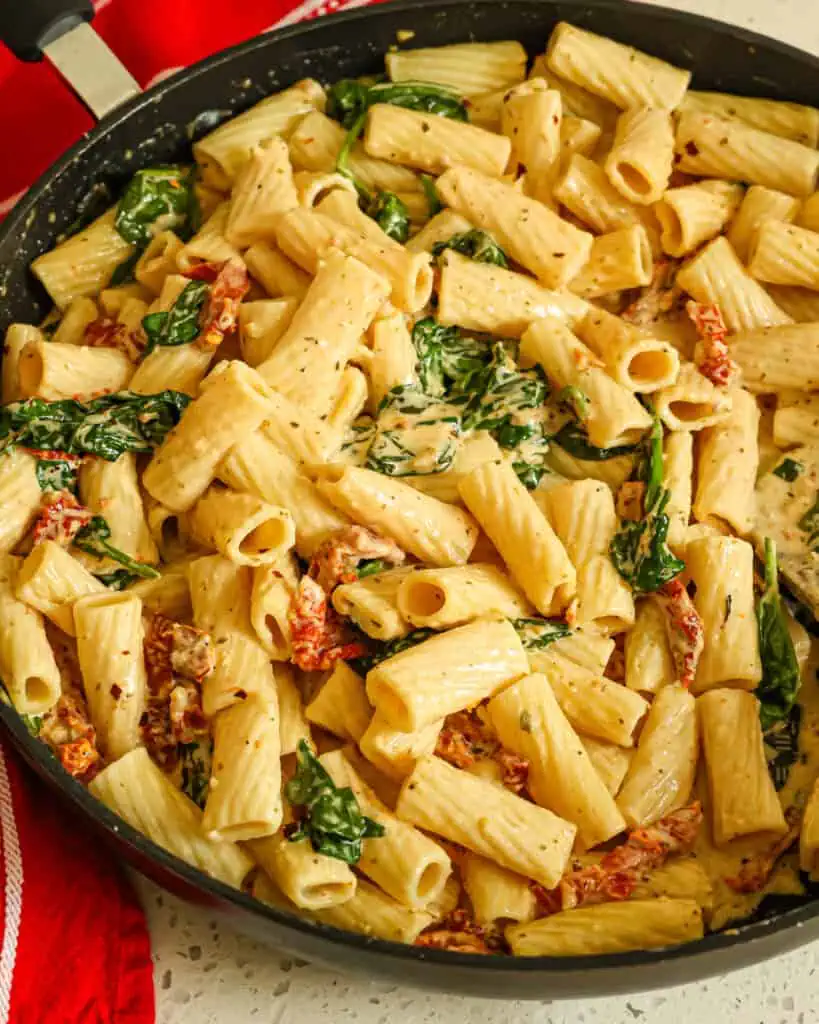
74,947
153,38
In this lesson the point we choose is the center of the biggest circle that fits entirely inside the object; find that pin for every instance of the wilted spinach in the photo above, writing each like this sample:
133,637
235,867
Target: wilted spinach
181,323
93,538
107,426
477,245
639,549
574,440
157,198
332,819
537,634
415,434
780,681
390,214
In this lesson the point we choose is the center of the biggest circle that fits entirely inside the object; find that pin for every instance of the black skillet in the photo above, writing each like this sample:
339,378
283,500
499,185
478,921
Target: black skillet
156,127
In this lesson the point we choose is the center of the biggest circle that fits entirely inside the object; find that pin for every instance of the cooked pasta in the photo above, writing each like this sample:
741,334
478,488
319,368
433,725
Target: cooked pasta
390,503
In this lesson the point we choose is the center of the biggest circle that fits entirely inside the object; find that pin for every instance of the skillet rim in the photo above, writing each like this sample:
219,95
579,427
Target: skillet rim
117,831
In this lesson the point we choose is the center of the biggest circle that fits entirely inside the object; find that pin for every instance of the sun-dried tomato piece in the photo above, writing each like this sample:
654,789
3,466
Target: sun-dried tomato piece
105,332
457,932
712,357
319,636
338,557
68,731
684,627
60,519
221,313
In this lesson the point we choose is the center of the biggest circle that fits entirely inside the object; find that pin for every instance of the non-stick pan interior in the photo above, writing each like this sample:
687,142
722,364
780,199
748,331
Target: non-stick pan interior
158,127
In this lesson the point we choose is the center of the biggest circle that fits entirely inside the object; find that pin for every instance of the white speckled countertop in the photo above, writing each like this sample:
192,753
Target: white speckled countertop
205,975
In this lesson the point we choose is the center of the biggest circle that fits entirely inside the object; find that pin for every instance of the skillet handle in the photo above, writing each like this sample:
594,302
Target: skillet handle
27,27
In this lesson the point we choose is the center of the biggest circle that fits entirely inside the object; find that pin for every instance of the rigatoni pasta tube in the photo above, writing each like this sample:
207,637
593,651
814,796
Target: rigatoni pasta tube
273,588
256,465
84,263
220,598
649,664
788,120
244,795
678,471
278,275
809,836
51,580
610,762
495,893
594,705
727,464
109,647
393,751
797,422
308,879
530,118
245,529
20,496
720,148
526,541
263,189
529,721
722,569
619,260
185,463
470,69
692,402
16,339
743,798
778,358
609,928
583,516
111,489
54,370
639,162
27,665
515,300
341,705
306,438
372,604
441,598
716,275
394,356
446,673
694,214
661,773
222,152
783,253
432,143
620,74
760,204
588,194
307,363
637,361
371,912
425,527
262,323
293,727
487,819
550,248
801,304
405,863
614,415
138,790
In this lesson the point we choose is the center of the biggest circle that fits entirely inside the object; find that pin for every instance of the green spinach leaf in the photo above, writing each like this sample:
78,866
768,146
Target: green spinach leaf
157,198
574,440
780,670
537,634
107,426
809,524
415,434
499,392
349,99
788,470
93,539
639,549
371,567
332,819
125,272
181,323
54,474
477,245
434,204
196,764
118,579
390,214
